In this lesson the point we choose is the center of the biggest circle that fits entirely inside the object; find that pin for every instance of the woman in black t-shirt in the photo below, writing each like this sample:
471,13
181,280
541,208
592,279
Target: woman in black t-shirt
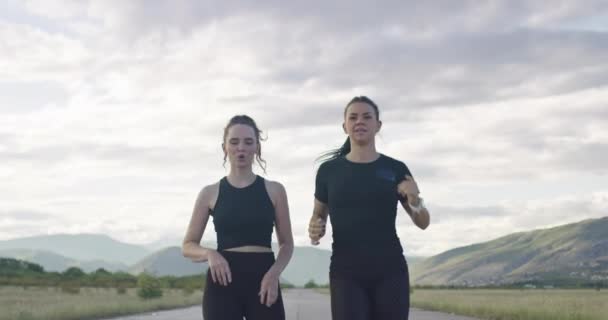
243,275
359,188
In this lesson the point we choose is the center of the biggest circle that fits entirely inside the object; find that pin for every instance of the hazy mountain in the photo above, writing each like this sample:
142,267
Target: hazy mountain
573,251
54,262
163,243
82,247
168,261
90,252
307,263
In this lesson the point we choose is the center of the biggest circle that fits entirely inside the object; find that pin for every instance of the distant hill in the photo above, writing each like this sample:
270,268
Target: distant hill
412,261
55,262
308,263
83,247
573,252
171,262
164,242
57,253
168,261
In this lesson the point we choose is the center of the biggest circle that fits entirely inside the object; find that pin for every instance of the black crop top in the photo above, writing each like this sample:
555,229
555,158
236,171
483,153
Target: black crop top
243,216
362,201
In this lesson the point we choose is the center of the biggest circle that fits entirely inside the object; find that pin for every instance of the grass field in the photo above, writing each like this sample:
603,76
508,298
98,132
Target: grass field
35,303
551,304
517,304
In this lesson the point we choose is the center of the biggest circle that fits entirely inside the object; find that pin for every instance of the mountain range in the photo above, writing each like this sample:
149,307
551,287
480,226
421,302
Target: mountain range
567,253
572,252
90,252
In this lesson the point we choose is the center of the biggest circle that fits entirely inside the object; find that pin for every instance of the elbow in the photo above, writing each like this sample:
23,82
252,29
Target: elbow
287,246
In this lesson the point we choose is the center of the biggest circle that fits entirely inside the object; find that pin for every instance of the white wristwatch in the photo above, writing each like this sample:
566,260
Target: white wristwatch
417,209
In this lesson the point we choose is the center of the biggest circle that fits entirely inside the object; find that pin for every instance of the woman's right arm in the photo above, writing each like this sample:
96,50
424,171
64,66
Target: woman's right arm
191,247
320,211
318,221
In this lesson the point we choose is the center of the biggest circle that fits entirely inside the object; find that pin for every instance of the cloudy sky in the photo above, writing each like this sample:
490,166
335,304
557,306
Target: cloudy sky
112,111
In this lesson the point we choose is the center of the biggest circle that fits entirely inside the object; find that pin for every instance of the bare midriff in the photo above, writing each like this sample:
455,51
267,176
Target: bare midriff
250,249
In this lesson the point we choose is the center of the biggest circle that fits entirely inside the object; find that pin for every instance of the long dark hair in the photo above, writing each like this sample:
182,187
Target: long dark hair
248,121
345,148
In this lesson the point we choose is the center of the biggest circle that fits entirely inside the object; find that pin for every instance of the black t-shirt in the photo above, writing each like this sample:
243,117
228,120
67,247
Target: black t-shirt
362,199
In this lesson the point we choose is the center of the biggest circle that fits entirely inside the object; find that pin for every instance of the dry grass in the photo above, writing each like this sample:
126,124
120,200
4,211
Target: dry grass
34,303
517,304
551,304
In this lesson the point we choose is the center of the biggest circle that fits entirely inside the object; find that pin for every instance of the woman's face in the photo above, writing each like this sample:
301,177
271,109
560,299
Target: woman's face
241,146
361,123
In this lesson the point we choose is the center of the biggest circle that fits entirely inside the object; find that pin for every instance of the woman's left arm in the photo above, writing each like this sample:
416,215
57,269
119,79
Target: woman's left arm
270,282
408,189
283,229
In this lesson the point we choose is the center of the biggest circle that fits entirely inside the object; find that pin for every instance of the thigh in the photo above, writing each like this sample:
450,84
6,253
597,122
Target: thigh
255,310
391,297
349,299
221,302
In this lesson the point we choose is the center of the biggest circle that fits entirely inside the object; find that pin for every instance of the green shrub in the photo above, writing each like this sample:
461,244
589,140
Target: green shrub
311,284
148,287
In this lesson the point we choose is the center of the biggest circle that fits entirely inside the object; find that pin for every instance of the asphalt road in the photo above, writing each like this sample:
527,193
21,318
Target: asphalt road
300,304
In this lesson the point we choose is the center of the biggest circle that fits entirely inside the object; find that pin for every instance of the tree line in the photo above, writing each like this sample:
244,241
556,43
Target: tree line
15,272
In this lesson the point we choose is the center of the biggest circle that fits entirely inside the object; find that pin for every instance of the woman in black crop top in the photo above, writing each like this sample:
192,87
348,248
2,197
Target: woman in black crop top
243,276
359,188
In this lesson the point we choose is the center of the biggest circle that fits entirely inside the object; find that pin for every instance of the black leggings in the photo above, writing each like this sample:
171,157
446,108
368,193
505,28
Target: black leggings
369,290
240,298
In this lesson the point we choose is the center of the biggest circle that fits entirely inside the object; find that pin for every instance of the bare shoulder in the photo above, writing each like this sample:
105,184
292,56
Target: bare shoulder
275,189
208,195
